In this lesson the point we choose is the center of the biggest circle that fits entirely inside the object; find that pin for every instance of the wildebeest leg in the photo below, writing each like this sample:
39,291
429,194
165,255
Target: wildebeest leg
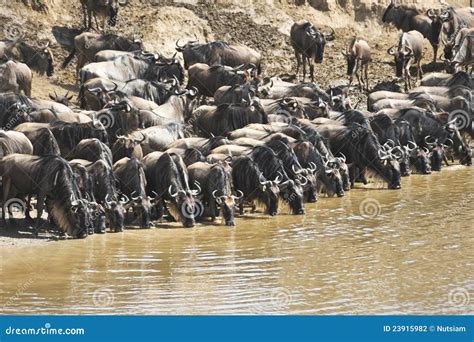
39,207
6,190
298,62
356,72
352,175
311,69
407,75
27,208
84,13
435,53
241,208
420,71
304,67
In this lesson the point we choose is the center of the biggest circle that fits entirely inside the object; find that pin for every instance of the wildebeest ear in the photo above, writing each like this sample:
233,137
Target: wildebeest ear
52,97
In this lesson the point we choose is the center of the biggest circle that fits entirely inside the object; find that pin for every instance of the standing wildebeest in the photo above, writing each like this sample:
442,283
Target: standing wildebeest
207,79
463,49
308,43
14,142
101,9
218,52
212,121
409,18
67,134
216,184
15,77
128,146
248,179
455,19
48,178
358,57
40,59
132,182
448,80
410,49
87,44
167,176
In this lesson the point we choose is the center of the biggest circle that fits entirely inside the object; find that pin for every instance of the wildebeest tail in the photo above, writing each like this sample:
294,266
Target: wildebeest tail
69,58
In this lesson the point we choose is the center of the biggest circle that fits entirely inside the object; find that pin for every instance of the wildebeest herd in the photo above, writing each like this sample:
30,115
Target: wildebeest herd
141,147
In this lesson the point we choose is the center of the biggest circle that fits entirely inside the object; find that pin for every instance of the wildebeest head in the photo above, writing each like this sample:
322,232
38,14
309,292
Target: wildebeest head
186,204
350,57
269,193
127,146
436,25
332,170
97,218
292,192
318,42
115,212
421,160
41,60
227,204
76,213
141,208
401,56
391,166
63,99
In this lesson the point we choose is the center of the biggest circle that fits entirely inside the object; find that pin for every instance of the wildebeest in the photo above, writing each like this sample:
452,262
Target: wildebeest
87,44
15,77
275,88
14,142
218,52
291,192
358,57
50,179
409,50
239,93
455,19
132,182
39,59
127,146
363,150
92,149
409,18
106,10
167,177
213,121
248,179
308,43
448,80
44,143
62,99
67,134
463,50
216,195
207,79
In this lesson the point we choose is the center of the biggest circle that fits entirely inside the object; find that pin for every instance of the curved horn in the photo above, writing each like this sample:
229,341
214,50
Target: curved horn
330,36
411,143
343,157
107,201
241,195
171,193
134,198
196,192
293,168
124,199
312,167
178,47
383,155
214,193
142,139
305,180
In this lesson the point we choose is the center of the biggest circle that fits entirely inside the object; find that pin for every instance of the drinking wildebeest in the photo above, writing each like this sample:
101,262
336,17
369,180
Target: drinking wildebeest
409,50
308,43
50,179
358,57
408,18
216,194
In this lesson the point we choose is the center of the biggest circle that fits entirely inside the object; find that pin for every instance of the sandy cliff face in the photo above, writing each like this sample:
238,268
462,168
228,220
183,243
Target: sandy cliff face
263,25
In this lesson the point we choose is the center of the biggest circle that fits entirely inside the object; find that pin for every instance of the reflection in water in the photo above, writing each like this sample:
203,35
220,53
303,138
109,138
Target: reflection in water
371,252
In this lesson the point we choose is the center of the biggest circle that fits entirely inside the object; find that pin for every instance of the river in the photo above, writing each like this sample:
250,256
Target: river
374,251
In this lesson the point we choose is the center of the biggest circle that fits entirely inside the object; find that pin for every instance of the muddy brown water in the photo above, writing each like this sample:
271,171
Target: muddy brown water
372,252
